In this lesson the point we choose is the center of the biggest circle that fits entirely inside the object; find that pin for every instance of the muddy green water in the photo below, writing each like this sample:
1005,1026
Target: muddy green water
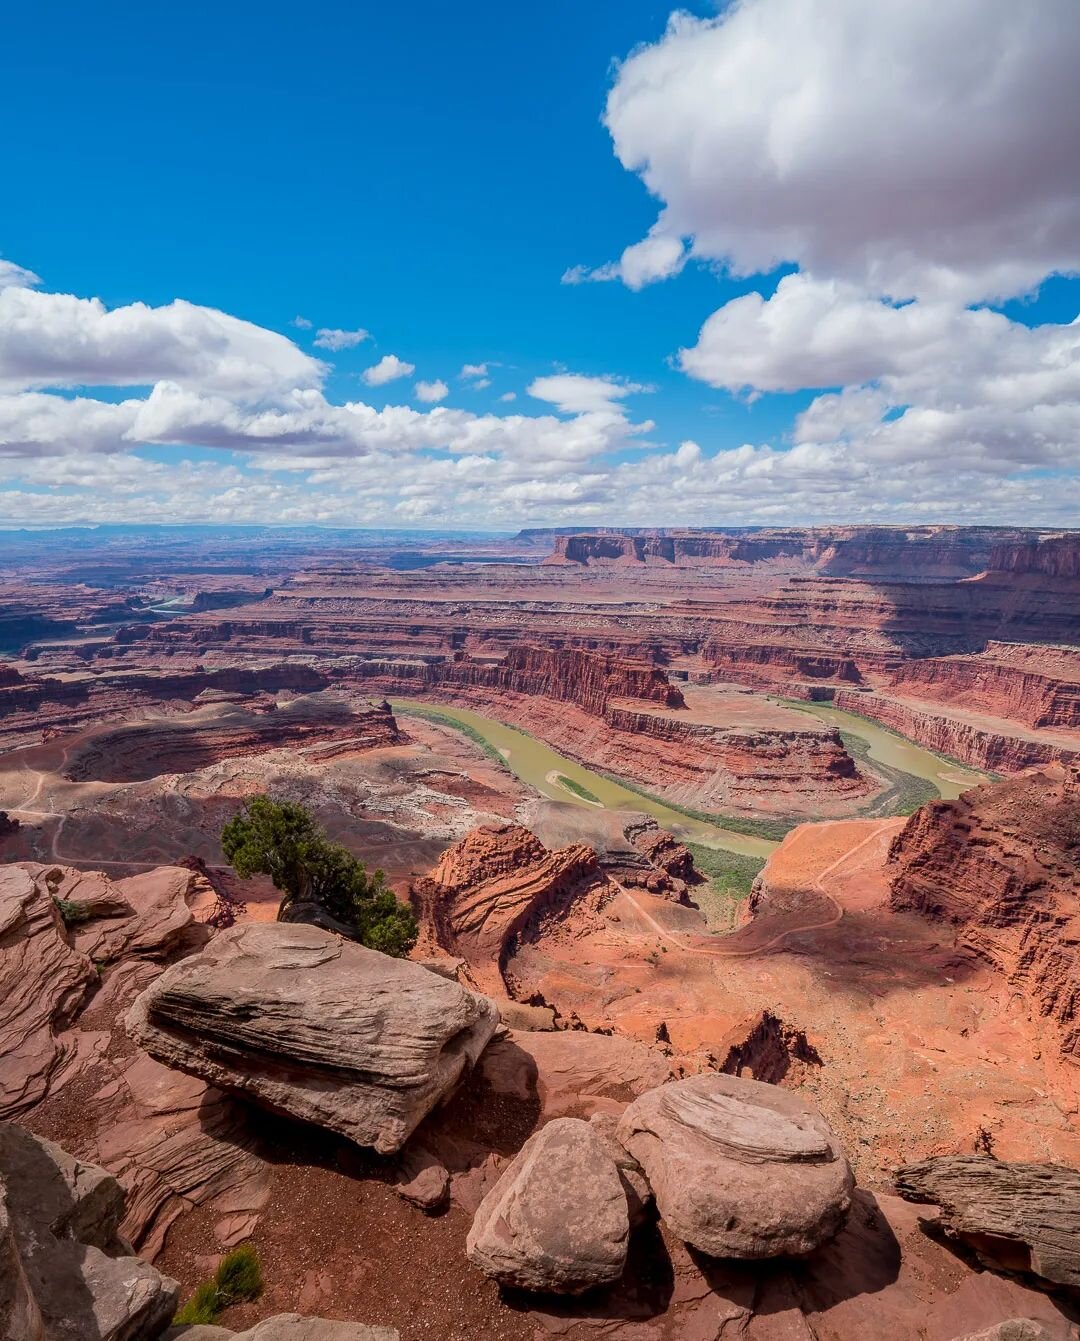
897,751
539,766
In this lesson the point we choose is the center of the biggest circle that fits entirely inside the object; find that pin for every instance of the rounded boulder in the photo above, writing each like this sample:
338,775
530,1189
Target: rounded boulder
739,1169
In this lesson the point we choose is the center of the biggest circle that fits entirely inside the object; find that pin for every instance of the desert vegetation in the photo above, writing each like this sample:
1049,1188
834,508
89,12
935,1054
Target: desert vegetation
284,841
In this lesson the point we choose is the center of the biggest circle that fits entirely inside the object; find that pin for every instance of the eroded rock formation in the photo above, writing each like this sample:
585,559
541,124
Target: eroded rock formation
557,1219
739,1168
1000,865
487,888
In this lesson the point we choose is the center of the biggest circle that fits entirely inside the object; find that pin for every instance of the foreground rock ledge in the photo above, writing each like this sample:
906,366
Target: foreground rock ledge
557,1219
739,1169
65,1274
285,1327
1016,1217
316,1027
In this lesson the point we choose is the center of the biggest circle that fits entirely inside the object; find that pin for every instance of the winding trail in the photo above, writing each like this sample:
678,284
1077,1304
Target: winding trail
719,952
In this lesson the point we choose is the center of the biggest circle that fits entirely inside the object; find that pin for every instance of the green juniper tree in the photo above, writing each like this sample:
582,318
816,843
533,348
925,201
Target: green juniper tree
282,840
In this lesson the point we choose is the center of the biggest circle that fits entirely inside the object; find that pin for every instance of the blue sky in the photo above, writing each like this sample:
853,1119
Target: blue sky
430,175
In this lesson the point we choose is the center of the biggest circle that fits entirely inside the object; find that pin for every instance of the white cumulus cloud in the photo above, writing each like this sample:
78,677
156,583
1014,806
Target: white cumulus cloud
335,340
388,369
431,391
574,393
58,340
908,146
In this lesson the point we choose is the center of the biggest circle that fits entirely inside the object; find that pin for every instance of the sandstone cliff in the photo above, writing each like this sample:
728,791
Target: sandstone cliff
590,680
1000,864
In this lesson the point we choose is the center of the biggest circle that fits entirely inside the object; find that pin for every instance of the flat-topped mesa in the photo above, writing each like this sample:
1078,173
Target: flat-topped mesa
1000,865
488,887
316,722
933,552
1051,556
31,705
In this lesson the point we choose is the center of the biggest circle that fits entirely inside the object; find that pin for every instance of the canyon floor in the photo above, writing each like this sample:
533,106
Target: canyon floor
842,726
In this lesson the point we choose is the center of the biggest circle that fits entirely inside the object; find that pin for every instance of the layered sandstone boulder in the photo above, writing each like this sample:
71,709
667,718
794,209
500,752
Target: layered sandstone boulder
999,864
557,1219
65,1275
1016,1217
487,888
739,1169
316,1027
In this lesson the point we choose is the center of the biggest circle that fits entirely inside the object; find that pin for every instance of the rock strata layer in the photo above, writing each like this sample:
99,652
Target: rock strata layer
316,1028
557,1219
286,1327
740,1169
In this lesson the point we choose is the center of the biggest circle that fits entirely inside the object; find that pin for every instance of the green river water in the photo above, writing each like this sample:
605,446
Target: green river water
541,767
896,751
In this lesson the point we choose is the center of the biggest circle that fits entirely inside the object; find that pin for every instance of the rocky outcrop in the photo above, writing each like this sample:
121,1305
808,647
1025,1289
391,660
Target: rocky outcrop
317,1028
739,1168
999,865
65,1275
59,928
557,1219
672,862
487,888
1015,1217
144,915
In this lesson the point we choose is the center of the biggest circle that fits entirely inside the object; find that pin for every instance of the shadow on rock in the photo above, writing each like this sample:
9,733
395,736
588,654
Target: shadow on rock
645,1290
864,1258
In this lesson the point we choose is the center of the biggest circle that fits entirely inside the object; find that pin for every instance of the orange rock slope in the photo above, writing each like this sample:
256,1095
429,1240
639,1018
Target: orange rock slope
1002,865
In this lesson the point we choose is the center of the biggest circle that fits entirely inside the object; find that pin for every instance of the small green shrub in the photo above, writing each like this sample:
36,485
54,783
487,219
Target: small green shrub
203,1306
71,914
239,1276
237,1280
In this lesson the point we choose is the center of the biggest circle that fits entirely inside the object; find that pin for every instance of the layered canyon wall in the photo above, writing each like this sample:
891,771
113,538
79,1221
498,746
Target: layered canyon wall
1000,865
